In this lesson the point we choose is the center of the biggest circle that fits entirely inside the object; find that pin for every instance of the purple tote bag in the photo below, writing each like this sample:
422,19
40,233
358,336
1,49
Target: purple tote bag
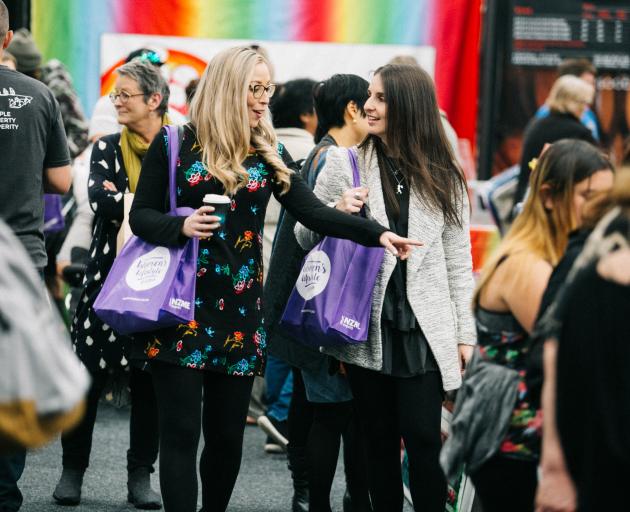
331,303
53,214
149,286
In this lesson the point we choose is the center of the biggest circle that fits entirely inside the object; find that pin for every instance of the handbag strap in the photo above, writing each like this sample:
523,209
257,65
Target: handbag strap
354,163
175,133
356,176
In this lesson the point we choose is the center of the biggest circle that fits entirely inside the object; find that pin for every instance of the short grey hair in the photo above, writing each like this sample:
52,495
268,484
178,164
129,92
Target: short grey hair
4,20
149,79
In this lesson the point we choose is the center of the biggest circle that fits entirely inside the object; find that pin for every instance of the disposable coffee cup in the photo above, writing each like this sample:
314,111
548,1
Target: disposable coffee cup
221,205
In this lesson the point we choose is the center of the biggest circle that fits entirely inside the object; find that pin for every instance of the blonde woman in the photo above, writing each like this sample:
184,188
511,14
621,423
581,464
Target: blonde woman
507,302
568,99
228,148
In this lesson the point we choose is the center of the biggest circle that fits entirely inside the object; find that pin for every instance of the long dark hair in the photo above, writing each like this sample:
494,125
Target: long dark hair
332,97
417,142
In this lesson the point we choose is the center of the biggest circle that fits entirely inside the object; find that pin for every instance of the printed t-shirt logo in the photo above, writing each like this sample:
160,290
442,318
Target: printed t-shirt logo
149,270
15,100
314,276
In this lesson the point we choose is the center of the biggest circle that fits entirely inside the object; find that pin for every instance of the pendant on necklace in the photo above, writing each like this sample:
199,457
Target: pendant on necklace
399,189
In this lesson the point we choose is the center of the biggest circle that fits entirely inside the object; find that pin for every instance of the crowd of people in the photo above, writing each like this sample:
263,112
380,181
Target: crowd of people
549,306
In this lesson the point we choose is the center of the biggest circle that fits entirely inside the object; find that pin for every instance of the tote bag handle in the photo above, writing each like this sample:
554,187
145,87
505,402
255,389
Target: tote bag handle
175,135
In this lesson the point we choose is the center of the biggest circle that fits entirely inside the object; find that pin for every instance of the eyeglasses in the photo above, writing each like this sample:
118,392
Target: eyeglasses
124,96
258,89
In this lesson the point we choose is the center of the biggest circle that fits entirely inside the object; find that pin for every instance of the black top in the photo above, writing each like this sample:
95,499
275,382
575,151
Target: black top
32,139
543,131
558,277
406,352
228,334
593,386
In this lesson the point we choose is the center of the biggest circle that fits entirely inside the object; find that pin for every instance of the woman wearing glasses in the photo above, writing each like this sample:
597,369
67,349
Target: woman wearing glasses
203,371
141,100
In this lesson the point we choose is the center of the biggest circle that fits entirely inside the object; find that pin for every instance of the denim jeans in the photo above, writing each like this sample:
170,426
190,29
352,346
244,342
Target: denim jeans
279,380
11,467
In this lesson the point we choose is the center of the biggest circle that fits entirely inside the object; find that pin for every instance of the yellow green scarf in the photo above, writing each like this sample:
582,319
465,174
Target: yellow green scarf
134,148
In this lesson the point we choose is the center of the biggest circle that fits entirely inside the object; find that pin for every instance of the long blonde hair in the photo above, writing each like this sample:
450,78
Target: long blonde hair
540,232
219,114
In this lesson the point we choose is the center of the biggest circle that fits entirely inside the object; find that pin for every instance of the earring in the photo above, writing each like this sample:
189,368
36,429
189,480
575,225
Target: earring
354,120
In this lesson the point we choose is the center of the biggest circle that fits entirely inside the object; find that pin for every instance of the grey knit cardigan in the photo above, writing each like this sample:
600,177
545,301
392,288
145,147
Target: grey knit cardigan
439,274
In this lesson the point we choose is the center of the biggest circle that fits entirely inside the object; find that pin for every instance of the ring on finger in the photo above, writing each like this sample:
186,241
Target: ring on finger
357,196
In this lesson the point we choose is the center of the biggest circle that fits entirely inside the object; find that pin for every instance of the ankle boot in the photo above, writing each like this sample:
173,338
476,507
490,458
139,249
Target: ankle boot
140,493
297,466
68,490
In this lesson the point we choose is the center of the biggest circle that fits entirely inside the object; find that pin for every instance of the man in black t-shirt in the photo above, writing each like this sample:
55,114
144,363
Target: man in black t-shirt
34,160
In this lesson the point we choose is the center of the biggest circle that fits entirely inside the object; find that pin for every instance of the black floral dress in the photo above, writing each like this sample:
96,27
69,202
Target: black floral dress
96,344
504,341
228,334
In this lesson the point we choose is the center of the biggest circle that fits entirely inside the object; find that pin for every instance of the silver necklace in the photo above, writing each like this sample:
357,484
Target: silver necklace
395,172
399,183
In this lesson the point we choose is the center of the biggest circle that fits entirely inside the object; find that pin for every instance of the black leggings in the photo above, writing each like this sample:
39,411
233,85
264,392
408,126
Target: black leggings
331,421
143,434
300,413
389,408
179,394
503,483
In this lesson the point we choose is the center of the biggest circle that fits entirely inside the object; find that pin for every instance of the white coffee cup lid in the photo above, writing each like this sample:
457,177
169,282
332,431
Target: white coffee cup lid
216,199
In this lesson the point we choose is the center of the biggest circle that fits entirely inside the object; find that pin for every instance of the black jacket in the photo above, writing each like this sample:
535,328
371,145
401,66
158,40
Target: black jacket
543,131
284,268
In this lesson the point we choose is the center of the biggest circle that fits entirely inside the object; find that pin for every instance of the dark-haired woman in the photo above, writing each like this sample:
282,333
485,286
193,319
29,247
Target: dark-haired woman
507,301
422,330
321,406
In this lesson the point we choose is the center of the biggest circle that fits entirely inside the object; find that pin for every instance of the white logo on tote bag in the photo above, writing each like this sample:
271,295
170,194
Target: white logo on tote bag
149,270
314,276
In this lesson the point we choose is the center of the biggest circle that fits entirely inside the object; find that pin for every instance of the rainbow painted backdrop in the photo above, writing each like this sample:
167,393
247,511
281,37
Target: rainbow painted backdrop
70,30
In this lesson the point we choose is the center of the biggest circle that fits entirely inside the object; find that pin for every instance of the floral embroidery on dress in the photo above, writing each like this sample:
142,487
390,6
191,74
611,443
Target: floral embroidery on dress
203,258
197,173
152,349
234,340
260,340
197,358
257,177
243,279
189,329
243,367
244,241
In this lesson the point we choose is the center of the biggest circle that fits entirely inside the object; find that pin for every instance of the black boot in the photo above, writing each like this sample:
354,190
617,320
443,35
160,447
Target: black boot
140,494
68,490
297,466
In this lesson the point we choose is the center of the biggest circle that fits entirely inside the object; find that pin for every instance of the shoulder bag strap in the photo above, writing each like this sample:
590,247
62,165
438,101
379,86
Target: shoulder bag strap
175,135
